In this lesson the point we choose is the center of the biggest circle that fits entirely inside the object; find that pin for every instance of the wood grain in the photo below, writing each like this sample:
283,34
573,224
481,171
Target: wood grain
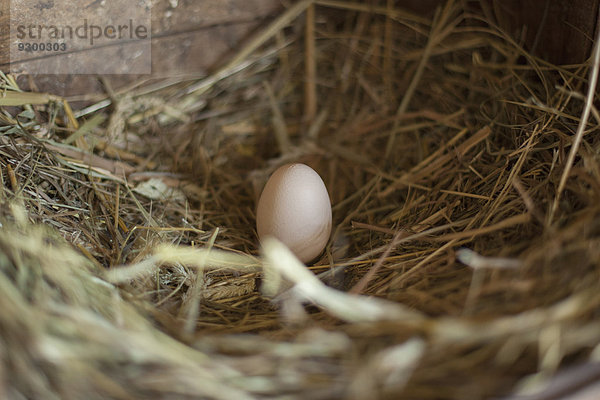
559,31
194,36
186,40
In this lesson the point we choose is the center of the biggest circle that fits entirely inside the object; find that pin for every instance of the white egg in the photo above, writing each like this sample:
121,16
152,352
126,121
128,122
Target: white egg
294,207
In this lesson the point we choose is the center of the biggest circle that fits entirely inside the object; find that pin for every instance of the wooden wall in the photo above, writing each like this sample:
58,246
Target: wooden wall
196,34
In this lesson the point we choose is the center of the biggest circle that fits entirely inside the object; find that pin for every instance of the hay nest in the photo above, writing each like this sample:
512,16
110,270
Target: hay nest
464,262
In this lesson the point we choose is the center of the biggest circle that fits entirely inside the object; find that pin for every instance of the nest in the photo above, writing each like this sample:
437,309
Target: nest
464,175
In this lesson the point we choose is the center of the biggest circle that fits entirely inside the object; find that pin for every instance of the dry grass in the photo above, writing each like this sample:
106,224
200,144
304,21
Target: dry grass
462,264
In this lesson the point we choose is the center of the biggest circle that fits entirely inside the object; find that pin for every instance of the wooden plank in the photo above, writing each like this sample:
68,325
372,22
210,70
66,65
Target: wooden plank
558,31
188,38
191,37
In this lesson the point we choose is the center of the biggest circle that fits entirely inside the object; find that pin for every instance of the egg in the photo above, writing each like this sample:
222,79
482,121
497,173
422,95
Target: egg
294,207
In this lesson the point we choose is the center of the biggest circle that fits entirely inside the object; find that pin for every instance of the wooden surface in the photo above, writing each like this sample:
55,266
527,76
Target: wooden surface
558,31
191,36
188,37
